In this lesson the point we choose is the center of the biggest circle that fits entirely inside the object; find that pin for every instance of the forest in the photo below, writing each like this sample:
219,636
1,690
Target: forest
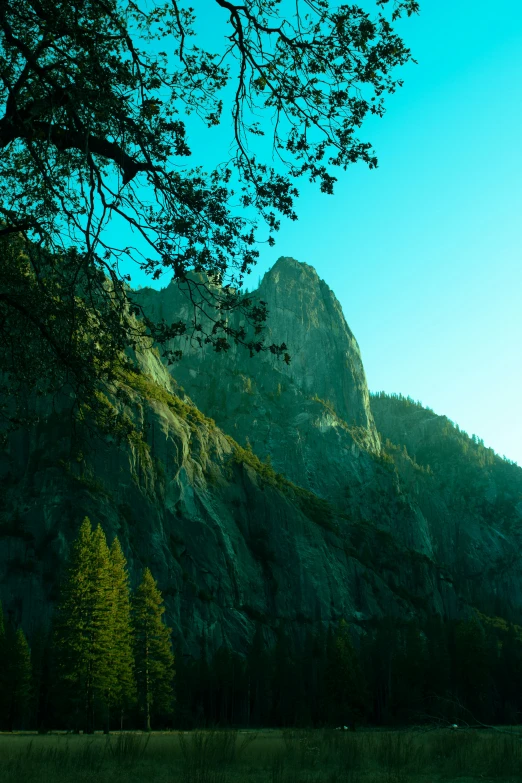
110,662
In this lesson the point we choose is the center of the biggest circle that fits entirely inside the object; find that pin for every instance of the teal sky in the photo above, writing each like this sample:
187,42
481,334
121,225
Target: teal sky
424,253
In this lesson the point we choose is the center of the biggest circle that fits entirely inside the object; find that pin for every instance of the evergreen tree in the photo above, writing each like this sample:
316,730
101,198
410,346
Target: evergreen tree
21,674
123,694
15,679
438,669
4,674
285,680
471,669
344,681
73,631
105,676
153,651
509,676
83,629
42,680
259,692
409,674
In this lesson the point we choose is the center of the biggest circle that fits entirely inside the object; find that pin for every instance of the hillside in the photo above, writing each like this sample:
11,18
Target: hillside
260,493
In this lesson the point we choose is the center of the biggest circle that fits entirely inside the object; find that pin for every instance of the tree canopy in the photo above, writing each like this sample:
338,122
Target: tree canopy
95,133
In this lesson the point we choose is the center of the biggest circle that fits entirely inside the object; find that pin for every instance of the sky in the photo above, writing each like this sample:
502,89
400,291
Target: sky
424,253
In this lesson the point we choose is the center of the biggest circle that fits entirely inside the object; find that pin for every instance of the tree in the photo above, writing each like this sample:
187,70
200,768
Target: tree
471,668
21,679
104,645
83,629
153,651
15,678
93,130
3,667
344,683
259,682
123,693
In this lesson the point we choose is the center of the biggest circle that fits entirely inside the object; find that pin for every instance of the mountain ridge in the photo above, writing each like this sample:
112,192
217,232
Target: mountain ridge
309,520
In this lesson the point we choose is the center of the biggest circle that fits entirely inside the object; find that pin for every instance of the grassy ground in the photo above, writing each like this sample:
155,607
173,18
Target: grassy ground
289,756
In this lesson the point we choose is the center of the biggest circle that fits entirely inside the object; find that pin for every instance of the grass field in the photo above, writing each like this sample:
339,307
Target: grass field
289,756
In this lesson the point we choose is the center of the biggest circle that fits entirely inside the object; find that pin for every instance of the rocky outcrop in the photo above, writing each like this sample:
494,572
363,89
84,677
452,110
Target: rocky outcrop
311,417
230,541
332,525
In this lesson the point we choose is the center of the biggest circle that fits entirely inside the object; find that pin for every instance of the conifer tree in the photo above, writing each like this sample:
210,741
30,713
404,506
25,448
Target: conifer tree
21,674
3,670
471,668
344,683
104,675
83,628
153,651
15,678
259,682
72,628
123,693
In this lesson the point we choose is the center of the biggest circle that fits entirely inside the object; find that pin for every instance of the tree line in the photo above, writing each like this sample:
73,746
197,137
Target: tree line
108,662
396,673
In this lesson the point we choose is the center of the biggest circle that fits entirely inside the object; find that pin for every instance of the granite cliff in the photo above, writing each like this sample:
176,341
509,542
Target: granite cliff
260,492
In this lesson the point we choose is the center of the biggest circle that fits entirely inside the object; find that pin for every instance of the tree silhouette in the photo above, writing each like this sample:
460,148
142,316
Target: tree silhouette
93,130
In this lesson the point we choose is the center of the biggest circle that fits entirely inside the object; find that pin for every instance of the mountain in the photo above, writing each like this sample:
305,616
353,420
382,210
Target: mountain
260,492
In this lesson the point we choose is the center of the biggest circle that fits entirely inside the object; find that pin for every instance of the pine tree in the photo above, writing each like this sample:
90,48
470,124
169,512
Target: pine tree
4,674
104,676
123,694
21,673
259,693
285,681
153,651
471,669
83,628
72,628
15,678
344,682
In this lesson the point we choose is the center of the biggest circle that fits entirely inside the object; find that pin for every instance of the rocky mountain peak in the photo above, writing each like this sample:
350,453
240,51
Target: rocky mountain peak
286,268
325,358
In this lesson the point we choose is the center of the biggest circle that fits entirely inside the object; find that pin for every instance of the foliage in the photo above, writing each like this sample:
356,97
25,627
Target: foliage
471,478
144,385
153,651
358,433
83,629
344,686
122,695
15,677
109,651
314,507
391,672
93,129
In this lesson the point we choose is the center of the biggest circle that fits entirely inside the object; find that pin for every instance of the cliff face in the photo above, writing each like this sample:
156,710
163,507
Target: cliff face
312,417
349,530
229,541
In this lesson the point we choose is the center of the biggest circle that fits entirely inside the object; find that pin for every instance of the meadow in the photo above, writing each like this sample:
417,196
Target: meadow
287,756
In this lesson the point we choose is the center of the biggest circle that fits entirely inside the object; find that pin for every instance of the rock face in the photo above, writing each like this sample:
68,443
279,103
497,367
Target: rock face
333,525
470,497
310,416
